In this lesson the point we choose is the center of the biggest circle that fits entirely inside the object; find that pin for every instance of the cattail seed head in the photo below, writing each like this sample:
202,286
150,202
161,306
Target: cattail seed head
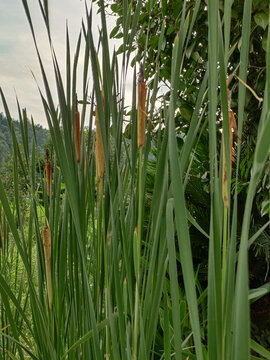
141,108
77,134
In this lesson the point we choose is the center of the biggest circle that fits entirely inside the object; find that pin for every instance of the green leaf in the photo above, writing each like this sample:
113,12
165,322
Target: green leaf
114,31
115,8
261,19
196,56
170,30
154,41
259,349
186,111
170,236
256,294
265,207
119,35
264,40
121,49
260,4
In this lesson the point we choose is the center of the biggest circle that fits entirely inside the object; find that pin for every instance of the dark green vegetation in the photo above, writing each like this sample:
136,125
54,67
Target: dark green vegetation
41,135
161,20
146,252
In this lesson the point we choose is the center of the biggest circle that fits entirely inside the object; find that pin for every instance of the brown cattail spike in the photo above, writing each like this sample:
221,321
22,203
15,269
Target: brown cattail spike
77,133
48,170
46,238
141,108
233,129
100,168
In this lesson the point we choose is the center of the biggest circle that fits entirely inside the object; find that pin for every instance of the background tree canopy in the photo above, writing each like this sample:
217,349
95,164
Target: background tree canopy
161,19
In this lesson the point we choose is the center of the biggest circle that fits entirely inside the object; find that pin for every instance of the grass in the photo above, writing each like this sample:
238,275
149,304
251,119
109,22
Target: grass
115,256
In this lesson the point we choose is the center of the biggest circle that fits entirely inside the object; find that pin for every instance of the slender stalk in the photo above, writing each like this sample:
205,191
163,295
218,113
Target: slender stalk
46,237
77,133
48,174
138,239
106,247
224,273
224,249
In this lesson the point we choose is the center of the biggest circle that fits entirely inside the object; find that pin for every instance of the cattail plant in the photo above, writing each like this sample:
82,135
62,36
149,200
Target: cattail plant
138,230
77,134
48,170
102,253
46,238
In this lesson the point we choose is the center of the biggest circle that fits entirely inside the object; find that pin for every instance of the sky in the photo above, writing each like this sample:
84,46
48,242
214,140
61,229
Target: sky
18,60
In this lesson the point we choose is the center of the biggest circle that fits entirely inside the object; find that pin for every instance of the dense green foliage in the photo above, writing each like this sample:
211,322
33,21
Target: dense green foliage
161,20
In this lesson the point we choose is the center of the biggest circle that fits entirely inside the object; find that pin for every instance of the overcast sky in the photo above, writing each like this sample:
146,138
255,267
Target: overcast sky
17,53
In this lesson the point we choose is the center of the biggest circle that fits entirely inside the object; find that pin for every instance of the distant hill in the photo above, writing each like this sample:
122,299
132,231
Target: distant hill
42,137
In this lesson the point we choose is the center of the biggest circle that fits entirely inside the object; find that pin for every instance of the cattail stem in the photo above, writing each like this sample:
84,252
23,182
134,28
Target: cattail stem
1,239
141,109
77,135
225,192
137,259
136,255
46,238
100,168
224,178
48,170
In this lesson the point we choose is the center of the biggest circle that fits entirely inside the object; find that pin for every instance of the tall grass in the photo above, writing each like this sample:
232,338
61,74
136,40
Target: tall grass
97,265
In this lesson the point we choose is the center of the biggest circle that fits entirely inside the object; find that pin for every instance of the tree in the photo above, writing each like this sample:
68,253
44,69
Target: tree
159,23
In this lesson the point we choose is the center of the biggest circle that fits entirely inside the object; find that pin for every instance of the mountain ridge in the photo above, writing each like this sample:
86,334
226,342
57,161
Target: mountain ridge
42,137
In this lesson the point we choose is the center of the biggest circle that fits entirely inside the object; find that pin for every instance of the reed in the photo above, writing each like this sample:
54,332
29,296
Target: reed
46,239
48,171
77,135
100,167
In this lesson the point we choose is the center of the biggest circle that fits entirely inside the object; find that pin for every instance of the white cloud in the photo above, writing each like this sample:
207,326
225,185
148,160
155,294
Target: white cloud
18,56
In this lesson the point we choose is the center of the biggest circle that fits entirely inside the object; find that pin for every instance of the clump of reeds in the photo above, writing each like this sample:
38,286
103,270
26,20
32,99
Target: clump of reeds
144,307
